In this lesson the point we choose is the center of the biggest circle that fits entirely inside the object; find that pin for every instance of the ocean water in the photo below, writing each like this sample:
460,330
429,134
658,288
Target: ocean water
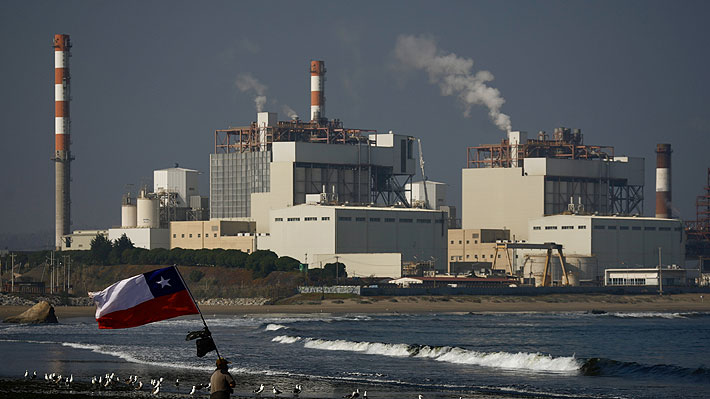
491,355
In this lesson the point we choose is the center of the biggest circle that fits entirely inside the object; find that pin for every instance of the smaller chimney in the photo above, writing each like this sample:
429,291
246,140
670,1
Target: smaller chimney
663,181
317,90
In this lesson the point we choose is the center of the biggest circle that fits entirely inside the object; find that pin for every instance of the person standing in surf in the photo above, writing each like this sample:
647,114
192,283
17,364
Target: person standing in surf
222,382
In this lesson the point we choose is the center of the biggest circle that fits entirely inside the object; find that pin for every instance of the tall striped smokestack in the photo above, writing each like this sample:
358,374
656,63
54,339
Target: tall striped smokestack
62,128
317,90
663,181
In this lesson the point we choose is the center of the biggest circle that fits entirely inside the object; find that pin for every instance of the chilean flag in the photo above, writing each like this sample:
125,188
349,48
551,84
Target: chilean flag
157,295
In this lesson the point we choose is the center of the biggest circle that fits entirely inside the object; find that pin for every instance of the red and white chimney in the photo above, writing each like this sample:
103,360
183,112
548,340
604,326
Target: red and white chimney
317,90
62,140
663,181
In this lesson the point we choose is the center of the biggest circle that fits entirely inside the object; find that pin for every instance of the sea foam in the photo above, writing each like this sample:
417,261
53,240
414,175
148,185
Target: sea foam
505,360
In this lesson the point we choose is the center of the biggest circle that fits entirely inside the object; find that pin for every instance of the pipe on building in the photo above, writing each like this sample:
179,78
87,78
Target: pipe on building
317,90
62,139
663,181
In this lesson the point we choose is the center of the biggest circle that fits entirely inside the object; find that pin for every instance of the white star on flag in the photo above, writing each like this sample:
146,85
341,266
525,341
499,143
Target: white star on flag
163,282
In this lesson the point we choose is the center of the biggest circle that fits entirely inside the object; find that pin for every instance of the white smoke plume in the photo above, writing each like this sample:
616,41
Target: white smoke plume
247,83
289,111
454,76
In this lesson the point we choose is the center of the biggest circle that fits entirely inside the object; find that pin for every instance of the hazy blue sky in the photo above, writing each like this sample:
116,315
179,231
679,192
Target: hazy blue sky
152,80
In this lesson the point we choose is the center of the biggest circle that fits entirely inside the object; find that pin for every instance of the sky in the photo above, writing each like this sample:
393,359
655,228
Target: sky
152,81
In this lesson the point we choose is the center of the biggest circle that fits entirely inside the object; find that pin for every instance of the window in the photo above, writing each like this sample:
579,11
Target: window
550,227
452,241
536,227
466,241
453,258
279,220
467,256
498,256
174,235
405,220
664,229
440,221
636,228
611,227
293,219
215,235
649,228
623,227
198,235
459,241
483,256
567,227
325,218
677,229
474,235
360,219
190,235
475,241
345,218
389,220
310,218
582,227
424,221
475,256
598,227
374,219
182,235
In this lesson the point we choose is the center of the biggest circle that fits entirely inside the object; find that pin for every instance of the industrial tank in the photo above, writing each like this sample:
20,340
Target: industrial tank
147,215
578,268
129,215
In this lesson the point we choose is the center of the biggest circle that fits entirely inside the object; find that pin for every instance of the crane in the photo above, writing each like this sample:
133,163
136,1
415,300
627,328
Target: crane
421,166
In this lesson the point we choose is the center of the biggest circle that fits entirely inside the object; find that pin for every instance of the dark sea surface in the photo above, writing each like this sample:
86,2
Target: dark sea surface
491,355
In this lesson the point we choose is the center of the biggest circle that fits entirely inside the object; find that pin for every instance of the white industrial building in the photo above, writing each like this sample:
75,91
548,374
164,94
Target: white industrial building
429,194
183,182
369,240
592,244
143,237
670,276
248,180
508,184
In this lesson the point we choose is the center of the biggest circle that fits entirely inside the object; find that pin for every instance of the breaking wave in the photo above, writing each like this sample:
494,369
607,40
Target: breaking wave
274,327
519,361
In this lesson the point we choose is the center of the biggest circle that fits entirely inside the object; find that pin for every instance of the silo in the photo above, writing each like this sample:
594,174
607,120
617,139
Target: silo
128,215
147,212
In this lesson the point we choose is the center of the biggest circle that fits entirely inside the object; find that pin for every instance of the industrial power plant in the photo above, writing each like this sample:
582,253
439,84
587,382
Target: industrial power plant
536,209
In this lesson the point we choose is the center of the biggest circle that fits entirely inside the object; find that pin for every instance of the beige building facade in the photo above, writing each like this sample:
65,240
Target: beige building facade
474,245
214,234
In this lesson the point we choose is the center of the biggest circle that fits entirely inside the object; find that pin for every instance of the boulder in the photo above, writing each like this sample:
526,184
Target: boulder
42,312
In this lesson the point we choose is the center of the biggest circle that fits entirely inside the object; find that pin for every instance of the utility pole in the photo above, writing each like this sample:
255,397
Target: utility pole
12,256
337,275
660,273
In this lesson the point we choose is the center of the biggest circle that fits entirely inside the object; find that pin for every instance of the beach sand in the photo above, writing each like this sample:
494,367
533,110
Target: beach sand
443,304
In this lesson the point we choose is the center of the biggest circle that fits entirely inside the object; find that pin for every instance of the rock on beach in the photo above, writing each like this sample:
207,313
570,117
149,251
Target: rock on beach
42,312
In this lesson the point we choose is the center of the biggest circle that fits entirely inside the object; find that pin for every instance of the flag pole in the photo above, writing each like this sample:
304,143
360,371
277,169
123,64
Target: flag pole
197,306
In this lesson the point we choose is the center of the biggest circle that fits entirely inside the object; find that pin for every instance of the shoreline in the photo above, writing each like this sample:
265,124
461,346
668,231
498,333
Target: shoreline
437,304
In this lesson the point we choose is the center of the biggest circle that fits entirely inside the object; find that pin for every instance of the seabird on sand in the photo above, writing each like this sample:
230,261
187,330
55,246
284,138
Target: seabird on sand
297,389
259,390
139,386
27,373
194,388
355,394
157,390
275,390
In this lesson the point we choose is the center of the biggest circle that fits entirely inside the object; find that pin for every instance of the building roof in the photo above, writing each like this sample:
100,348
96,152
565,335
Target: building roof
369,208
612,217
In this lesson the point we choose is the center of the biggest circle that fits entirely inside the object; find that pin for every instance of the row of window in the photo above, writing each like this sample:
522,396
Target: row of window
357,219
467,241
307,219
626,281
475,257
190,235
612,227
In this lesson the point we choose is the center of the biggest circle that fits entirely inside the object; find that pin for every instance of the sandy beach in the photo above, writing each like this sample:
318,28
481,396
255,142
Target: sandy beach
438,304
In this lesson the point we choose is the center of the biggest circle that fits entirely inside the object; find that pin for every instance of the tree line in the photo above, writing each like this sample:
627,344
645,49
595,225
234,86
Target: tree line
123,252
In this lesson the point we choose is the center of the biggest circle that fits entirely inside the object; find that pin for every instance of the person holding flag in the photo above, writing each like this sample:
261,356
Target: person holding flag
154,296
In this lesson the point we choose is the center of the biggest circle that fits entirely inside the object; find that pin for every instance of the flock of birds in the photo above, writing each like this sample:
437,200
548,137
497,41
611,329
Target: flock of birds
109,381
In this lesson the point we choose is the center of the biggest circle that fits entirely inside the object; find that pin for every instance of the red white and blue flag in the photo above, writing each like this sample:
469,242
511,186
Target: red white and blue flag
153,296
